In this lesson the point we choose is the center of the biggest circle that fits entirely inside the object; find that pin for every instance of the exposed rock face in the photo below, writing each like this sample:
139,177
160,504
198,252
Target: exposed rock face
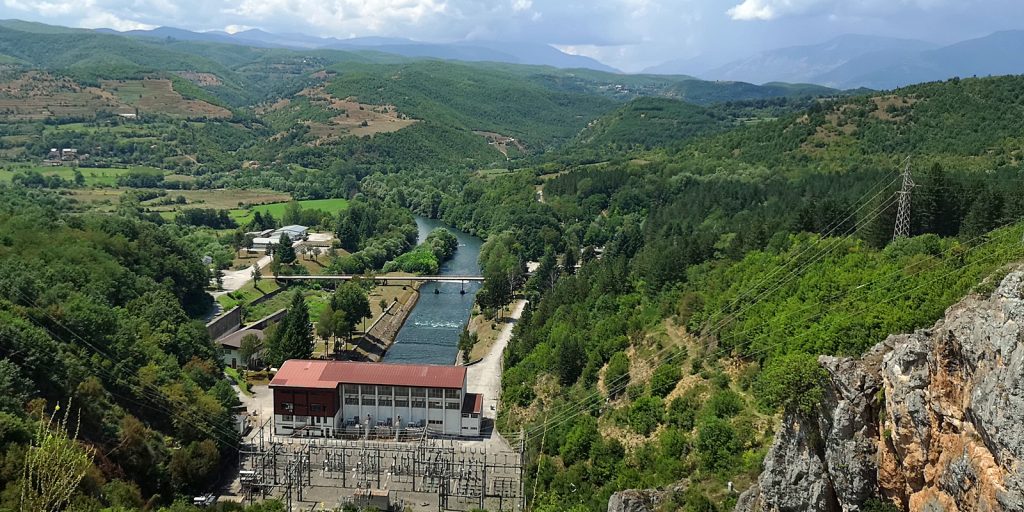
634,501
948,435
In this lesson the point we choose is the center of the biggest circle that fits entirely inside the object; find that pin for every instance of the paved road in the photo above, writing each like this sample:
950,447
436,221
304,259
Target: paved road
485,377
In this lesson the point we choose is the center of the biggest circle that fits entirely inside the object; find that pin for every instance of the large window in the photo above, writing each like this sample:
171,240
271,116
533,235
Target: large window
367,390
419,403
452,406
436,393
383,390
419,392
401,402
351,399
435,404
384,400
369,400
288,406
453,393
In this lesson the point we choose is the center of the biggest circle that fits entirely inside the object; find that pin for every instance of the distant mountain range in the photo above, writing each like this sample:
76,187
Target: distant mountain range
853,61
494,51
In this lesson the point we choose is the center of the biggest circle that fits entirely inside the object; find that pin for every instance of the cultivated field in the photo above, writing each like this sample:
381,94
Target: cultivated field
157,95
277,209
359,119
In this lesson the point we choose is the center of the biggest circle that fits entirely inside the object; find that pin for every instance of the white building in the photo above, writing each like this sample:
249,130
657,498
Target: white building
295,234
327,398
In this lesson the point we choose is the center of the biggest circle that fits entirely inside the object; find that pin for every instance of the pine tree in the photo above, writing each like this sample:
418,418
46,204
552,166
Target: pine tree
293,338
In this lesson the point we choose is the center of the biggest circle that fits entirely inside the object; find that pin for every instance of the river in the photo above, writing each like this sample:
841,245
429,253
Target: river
431,333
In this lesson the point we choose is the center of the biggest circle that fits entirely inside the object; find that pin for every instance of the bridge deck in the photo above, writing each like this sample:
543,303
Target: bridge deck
433,279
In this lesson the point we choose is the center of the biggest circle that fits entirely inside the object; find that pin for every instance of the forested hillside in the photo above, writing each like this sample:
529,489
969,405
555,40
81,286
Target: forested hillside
105,327
714,270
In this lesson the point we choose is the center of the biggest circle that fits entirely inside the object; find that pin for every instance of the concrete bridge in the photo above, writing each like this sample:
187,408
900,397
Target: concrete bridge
386,279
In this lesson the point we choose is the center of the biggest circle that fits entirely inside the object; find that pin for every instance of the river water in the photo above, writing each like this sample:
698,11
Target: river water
431,333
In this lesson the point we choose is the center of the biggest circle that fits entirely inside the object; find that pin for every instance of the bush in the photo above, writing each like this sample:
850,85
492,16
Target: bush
664,379
793,382
616,376
645,414
724,404
716,443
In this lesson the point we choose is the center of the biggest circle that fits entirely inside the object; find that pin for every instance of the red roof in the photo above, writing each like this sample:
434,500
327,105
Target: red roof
319,374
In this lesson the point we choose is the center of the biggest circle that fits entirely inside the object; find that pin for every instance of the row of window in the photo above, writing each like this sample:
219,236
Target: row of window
290,407
401,391
416,404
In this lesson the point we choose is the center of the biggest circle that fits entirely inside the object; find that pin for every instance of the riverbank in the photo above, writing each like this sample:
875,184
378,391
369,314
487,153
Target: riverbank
431,333
382,334
484,377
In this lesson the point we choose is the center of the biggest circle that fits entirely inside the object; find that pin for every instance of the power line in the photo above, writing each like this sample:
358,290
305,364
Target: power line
831,243
564,419
226,437
583,404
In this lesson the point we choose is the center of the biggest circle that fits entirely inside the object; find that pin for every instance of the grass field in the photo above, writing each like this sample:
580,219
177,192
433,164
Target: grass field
106,176
243,216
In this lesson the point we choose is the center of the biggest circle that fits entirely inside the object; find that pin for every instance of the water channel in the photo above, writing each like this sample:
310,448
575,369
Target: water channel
431,333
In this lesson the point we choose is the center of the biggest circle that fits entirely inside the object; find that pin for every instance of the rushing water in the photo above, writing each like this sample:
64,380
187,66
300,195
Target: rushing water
431,333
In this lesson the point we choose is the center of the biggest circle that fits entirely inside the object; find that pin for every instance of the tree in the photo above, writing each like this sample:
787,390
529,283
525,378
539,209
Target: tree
351,300
791,381
249,349
292,213
285,253
664,379
257,275
331,325
293,338
579,440
616,377
645,414
716,443
194,467
570,357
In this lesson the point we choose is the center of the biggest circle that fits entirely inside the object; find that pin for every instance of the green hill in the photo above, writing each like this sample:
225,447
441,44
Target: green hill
651,122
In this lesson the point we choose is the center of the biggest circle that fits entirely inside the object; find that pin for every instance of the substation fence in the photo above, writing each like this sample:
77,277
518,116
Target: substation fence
462,477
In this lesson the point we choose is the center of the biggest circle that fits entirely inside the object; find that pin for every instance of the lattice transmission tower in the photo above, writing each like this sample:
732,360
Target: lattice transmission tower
903,212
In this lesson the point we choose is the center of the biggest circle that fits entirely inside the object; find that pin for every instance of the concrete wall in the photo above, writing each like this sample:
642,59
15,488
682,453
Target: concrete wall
225,324
272,318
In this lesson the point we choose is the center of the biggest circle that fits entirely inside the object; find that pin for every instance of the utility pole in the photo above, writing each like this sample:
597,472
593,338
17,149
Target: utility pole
903,213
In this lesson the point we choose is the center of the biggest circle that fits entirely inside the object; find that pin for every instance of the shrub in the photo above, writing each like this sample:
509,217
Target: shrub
793,382
664,379
645,414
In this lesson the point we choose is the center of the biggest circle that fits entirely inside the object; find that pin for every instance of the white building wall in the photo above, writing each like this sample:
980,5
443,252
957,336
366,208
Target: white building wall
437,409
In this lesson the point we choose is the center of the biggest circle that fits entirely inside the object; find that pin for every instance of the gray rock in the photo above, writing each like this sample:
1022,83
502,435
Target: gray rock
634,501
950,436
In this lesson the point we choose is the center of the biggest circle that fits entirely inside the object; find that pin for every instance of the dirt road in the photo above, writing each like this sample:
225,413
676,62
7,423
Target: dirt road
485,377
235,279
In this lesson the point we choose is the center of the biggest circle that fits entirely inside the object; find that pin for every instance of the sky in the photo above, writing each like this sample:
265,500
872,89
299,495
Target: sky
627,34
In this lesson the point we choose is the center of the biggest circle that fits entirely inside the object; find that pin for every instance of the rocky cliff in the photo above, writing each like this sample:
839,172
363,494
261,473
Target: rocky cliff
931,421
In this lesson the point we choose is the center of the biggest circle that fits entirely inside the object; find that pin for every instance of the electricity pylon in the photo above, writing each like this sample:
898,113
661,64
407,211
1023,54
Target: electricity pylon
903,212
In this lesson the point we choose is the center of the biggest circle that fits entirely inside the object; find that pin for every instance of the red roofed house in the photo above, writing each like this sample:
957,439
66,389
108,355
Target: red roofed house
325,398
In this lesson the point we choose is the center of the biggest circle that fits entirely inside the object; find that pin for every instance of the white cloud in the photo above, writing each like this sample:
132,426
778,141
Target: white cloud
753,10
103,19
234,29
521,5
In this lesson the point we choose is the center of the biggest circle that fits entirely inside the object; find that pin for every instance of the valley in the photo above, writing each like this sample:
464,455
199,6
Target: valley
670,282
